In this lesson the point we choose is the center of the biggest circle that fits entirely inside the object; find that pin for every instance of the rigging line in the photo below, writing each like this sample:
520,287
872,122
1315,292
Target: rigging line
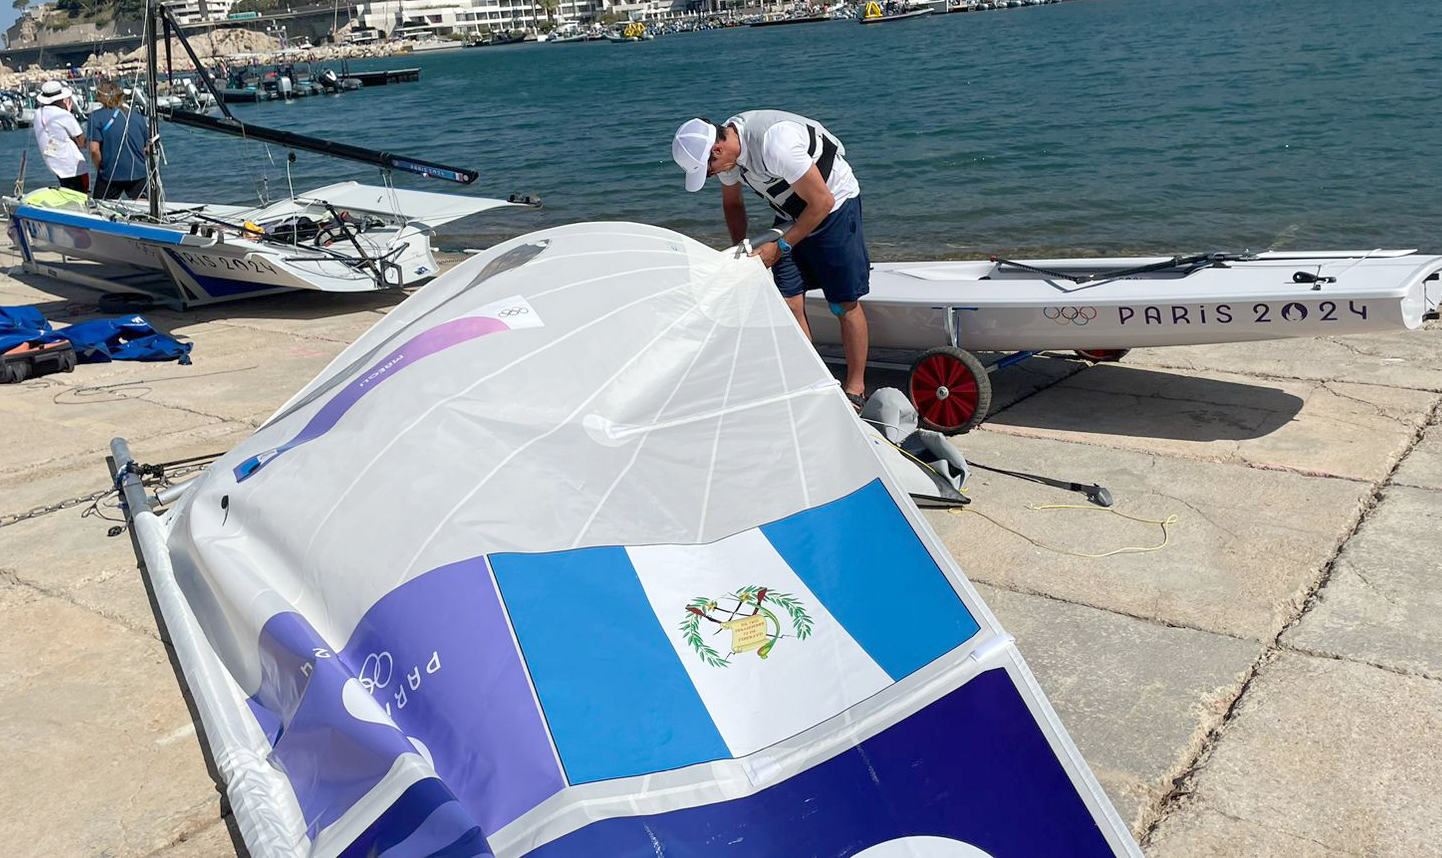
568,420
790,413
1164,523
97,389
421,418
686,374
716,441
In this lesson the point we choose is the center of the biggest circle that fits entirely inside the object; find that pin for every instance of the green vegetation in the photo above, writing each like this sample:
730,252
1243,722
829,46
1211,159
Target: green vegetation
89,9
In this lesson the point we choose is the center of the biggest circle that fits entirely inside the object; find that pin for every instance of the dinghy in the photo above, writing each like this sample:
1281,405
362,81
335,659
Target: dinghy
1100,308
581,551
344,237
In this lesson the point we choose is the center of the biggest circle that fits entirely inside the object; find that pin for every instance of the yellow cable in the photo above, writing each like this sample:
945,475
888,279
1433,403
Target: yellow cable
1130,549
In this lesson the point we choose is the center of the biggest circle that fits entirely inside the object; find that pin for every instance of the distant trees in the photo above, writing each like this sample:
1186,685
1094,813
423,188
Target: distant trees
268,5
94,8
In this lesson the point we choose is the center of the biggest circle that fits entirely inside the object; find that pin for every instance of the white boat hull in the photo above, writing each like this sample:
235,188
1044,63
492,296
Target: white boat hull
980,306
206,259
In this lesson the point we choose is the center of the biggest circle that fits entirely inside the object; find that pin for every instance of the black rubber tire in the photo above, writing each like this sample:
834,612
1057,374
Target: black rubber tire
13,372
950,389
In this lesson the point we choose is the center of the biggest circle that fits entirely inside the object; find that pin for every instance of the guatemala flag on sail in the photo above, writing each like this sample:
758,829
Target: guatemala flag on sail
637,661
649,658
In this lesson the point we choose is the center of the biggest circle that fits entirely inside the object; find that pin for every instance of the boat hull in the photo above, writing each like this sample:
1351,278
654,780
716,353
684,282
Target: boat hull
1244,302
203,269
904,16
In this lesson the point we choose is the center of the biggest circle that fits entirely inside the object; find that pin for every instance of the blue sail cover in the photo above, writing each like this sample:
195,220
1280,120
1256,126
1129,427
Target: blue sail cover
582,552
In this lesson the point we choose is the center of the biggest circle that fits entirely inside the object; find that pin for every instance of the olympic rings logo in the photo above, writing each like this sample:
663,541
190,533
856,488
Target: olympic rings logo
1078,316
376,671
513,311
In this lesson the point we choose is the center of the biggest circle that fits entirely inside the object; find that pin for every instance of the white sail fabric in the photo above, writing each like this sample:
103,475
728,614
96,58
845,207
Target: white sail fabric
581,551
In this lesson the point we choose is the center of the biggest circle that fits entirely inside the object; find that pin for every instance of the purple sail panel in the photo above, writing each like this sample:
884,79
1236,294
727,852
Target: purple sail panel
432,670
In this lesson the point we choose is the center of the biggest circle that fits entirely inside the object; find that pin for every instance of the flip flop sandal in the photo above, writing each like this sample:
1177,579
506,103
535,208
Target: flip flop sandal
857,401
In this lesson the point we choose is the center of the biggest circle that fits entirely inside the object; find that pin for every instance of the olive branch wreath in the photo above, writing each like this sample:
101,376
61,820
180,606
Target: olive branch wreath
690,627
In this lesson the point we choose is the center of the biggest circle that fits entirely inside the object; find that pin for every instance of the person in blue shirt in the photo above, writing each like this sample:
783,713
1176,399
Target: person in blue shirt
117,146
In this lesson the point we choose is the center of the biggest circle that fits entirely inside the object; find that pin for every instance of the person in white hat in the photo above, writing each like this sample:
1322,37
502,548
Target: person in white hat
799,169
59,137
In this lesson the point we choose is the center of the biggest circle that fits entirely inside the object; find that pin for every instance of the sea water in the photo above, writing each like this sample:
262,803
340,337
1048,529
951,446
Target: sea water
1081,128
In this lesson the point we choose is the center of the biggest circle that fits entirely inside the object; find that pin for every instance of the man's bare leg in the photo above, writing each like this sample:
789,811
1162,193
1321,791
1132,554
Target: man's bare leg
797,303
854,341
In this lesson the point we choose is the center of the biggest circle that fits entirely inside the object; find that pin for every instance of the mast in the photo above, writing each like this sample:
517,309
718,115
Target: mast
152,112
228,124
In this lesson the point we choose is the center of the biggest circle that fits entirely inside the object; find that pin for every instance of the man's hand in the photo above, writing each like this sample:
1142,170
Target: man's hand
770,253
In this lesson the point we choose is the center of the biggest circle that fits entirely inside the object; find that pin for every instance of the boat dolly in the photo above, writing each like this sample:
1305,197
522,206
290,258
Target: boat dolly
950,385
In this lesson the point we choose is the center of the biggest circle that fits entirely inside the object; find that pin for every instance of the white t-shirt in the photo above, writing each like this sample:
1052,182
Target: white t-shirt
786,155
55,130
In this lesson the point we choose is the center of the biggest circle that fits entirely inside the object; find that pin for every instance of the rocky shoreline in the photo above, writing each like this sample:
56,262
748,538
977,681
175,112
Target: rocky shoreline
220,46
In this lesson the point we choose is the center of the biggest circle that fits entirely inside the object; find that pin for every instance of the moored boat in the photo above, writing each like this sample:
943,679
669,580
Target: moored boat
875,14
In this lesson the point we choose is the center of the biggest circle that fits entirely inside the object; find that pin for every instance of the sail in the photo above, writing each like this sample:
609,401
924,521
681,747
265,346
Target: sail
581,551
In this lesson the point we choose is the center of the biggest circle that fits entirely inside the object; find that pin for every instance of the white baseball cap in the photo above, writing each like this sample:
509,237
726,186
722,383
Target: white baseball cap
691,149
52,91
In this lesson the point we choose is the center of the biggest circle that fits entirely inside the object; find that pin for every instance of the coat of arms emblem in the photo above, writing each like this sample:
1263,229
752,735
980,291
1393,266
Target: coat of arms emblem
747,615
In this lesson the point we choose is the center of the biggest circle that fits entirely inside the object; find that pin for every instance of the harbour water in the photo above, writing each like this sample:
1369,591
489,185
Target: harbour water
1082,128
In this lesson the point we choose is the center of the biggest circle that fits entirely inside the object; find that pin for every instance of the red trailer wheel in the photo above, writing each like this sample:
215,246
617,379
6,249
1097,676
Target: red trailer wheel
1102,355
950,389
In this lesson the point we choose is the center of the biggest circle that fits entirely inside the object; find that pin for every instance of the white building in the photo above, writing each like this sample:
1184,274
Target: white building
444,17
200,11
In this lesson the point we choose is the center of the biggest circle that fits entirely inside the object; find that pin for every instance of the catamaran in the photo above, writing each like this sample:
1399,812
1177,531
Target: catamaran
344,237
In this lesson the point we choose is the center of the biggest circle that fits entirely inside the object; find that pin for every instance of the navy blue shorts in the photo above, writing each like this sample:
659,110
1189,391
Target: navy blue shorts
833,259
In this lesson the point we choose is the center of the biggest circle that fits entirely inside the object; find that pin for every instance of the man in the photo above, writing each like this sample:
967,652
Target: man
798,168
117,146
59,137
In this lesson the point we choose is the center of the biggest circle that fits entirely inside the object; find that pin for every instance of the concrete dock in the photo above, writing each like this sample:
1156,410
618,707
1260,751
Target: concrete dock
1268,682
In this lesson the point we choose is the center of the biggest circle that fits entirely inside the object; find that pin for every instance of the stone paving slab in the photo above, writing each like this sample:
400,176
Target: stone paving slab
26,489
237,373
1383,602
1322,758
1234,566
1328,428
63,555
38,431
215,840
12,594
1137,698
1423,466
341,317
100,754
1399,359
